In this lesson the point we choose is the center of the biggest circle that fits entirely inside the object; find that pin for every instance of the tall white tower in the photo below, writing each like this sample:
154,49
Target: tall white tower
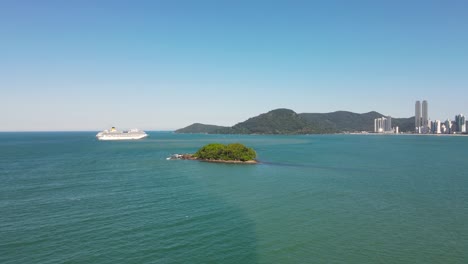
417,117
425,116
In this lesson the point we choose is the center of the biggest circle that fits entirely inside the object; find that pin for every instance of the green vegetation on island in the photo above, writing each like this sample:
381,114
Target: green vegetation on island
286,121
221,152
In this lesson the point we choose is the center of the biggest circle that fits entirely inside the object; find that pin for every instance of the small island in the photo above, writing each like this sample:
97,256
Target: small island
215,152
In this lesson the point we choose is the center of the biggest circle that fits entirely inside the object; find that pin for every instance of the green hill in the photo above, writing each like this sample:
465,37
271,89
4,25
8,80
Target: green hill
286,121
279,121
340,121
198,128
404,124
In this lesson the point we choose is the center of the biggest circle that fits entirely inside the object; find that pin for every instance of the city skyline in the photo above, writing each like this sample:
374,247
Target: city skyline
162,65
424,125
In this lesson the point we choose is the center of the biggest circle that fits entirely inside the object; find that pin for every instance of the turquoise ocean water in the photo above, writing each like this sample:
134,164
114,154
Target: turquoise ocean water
68,198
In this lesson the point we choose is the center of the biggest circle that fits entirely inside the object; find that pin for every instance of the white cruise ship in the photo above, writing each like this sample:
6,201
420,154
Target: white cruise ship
114,134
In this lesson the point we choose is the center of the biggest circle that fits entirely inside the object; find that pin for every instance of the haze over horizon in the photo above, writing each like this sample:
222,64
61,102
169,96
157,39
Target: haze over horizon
163,65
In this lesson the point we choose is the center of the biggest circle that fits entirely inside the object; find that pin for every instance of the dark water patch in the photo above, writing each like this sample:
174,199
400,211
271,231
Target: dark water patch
313,166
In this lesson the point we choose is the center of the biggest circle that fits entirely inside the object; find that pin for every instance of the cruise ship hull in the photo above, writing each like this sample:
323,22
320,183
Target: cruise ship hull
114,134
106,137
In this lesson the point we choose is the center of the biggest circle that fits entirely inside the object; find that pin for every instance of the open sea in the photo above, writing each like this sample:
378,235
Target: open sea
66,197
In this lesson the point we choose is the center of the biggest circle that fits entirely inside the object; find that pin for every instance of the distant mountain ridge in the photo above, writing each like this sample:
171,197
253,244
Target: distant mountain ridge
198,128
286,121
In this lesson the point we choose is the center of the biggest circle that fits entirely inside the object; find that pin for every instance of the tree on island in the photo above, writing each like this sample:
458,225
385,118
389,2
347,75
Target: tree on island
217,151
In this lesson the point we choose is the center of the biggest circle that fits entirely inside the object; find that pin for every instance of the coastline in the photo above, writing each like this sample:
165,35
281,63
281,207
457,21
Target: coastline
407,134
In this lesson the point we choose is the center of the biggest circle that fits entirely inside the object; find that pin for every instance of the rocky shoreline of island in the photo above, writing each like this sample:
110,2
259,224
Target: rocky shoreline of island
188,156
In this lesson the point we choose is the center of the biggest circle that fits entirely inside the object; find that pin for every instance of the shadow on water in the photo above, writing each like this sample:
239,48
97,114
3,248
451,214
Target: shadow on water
201,228
321,167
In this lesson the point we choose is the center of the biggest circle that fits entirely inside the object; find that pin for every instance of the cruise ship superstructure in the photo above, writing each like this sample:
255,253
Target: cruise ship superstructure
114,134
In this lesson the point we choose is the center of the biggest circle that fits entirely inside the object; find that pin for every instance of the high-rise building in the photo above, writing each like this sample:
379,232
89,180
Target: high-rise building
383,125
460,123
417,117
443,129
378,125
421,118
425,116
448,126
388,124
436,128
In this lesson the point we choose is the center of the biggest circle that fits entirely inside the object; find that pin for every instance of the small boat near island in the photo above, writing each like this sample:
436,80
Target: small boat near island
176,157
114,134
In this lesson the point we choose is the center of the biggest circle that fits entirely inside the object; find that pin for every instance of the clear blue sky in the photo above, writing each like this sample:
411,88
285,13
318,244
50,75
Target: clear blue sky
161,65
